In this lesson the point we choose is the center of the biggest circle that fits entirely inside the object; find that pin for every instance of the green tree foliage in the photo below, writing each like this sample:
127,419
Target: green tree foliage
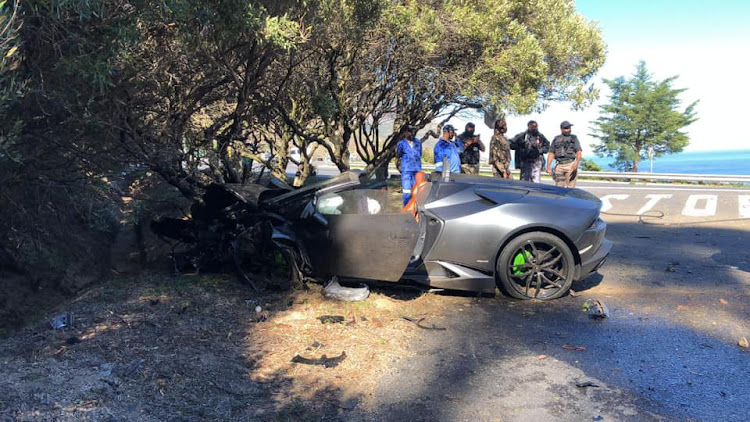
410,62
190,91
642,114
589,165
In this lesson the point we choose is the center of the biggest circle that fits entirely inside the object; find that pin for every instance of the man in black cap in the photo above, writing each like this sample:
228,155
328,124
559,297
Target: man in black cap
530,147
471,145
567,151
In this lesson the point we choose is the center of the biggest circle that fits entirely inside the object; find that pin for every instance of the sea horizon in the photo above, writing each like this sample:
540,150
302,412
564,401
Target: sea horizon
734,162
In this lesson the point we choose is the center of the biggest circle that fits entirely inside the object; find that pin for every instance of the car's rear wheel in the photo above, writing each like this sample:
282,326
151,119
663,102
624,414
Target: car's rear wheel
535,265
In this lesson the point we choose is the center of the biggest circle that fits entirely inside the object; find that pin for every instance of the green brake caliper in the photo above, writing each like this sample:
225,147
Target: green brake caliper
518,262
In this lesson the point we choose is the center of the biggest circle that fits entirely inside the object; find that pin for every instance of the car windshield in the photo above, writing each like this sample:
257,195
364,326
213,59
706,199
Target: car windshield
345,179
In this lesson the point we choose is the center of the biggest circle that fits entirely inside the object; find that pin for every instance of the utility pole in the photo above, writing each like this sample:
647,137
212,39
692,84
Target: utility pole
651,156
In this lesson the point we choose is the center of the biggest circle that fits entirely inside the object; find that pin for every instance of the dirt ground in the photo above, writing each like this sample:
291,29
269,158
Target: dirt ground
163,348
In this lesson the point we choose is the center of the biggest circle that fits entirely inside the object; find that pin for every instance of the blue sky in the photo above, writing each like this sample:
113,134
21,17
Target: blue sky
707,44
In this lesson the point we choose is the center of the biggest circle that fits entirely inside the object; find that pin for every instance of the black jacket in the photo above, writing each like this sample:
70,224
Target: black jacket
526,147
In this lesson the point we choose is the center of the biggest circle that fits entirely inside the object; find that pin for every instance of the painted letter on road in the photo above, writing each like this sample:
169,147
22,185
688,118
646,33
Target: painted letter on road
653,199
744,206
691,209
607,204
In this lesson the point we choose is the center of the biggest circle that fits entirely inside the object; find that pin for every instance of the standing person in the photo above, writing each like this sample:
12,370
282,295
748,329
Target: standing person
530,147
567,151
447,147
472,145
500,152
409,154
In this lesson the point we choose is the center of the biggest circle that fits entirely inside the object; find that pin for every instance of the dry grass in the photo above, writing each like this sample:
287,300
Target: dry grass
156,348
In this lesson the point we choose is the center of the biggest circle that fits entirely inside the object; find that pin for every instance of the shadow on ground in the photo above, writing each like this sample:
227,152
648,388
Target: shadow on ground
194,349
678,298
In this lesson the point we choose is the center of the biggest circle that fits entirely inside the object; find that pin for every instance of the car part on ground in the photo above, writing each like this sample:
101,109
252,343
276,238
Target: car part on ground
334,290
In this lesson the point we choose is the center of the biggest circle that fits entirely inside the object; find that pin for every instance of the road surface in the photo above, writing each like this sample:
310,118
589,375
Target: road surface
679,301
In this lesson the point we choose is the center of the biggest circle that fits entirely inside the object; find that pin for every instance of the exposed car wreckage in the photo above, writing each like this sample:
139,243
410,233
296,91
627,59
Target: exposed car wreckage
460,232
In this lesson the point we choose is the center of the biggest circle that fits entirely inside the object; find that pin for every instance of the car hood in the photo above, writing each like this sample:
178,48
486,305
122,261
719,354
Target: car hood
523,188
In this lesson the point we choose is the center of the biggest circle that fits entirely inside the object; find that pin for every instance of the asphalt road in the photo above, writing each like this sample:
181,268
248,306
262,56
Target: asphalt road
679,301
676,202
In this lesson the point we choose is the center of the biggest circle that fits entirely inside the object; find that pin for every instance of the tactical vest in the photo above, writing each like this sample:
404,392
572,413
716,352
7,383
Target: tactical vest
565,148
470,155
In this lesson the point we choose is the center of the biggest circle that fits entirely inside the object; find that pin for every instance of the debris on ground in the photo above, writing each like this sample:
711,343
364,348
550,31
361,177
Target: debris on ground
574,293
64,320
105,370
576,348
259,315
419,324
131,369
325,361
331,319
723,302
743,343
587,384
541,357
334,290
595,308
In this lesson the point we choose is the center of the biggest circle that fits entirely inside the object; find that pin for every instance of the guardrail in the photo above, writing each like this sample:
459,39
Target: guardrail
653,177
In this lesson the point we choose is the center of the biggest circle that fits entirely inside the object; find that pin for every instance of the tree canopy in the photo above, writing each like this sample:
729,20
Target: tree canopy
410,62
193,92
642,114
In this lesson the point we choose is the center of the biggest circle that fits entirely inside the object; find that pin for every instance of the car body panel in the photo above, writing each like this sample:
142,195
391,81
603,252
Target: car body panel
462,225
364,246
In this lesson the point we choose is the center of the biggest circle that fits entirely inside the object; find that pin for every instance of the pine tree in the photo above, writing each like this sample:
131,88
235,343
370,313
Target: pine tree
642,114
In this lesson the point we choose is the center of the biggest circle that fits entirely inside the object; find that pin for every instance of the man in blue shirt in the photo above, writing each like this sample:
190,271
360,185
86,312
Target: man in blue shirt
447,147
409,153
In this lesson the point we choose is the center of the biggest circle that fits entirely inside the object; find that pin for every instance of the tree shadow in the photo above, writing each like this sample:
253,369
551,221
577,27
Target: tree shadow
668,349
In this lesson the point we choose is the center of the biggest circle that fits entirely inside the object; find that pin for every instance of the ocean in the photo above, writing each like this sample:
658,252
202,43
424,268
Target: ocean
735,162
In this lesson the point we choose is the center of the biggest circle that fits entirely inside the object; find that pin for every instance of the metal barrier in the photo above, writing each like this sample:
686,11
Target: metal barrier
653,177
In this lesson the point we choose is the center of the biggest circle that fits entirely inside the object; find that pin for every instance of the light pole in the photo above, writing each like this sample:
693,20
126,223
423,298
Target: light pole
651,156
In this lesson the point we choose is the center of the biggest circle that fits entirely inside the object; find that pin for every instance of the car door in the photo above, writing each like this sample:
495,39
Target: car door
360,237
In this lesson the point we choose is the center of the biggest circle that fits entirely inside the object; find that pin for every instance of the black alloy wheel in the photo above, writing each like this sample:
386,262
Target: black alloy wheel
536,265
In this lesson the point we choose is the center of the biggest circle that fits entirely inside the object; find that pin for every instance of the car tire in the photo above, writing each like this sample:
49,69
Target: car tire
535,265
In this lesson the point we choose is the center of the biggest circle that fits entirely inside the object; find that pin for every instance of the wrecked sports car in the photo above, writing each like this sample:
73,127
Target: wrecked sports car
460,232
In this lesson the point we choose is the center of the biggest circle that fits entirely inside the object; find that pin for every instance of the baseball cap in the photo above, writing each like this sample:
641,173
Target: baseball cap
448,127
565,124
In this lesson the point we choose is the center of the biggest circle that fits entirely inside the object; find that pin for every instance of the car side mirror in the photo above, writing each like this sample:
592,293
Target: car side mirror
311,212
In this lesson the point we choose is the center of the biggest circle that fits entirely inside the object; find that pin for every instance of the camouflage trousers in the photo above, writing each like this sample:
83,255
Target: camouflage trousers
531,170
470,168
496,173
565,176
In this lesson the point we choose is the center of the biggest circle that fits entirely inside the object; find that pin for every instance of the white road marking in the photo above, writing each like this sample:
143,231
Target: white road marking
653,199
607,205
744,205
709,209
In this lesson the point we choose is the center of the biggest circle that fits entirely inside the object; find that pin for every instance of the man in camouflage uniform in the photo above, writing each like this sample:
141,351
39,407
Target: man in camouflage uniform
566,150
500,152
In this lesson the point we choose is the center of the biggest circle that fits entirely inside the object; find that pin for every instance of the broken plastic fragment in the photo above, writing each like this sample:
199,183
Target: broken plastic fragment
334,290
62,321
595,308
323,360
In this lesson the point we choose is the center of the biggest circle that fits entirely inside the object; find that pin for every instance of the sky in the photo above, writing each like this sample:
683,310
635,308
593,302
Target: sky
706,44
